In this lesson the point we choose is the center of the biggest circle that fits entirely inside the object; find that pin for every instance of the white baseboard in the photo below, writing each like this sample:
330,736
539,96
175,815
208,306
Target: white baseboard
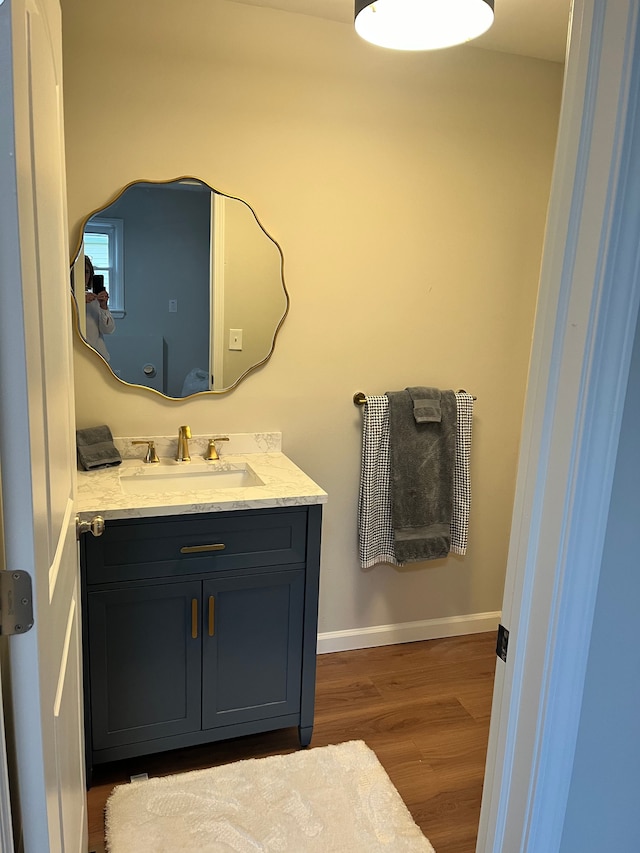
407,632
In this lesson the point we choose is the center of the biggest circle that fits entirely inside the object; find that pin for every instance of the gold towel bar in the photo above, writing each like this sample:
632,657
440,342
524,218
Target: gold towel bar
360,399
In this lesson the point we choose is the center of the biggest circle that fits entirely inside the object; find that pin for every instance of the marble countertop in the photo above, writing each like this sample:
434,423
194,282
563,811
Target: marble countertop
283,484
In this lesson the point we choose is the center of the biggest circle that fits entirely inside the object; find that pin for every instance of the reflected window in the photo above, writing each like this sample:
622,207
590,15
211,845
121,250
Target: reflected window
103,243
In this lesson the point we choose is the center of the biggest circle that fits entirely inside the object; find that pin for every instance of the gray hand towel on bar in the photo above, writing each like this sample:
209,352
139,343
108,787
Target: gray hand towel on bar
422,462
96,448
426,404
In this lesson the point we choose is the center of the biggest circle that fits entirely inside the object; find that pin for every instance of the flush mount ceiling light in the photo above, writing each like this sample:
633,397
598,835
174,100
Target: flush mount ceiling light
422,24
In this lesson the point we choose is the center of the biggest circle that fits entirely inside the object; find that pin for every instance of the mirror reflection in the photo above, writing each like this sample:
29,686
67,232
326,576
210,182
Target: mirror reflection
183,288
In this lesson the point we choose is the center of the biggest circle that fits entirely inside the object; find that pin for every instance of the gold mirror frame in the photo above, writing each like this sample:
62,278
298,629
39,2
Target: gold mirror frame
75,306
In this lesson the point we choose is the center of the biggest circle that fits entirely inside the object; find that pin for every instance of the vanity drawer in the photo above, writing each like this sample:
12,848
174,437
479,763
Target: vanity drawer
132,549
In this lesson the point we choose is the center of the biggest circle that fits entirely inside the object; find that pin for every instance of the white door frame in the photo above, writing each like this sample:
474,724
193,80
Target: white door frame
217,273
585,327
6,822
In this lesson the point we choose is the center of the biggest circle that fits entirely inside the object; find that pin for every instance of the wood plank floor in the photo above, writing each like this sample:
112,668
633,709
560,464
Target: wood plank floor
422,707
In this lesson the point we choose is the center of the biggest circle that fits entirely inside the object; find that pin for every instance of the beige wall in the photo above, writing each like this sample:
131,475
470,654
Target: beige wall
408,193
254,298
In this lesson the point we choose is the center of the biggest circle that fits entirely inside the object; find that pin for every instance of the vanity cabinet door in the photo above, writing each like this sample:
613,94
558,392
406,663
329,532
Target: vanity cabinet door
252,647
144,662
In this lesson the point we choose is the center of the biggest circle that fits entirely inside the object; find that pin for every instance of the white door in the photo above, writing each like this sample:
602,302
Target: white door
585,328
37,447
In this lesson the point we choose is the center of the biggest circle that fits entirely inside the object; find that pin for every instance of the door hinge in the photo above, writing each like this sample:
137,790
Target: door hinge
503,642
16,602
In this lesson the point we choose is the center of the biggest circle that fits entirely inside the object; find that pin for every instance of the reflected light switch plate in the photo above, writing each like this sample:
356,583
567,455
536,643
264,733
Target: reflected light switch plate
173,306
235,339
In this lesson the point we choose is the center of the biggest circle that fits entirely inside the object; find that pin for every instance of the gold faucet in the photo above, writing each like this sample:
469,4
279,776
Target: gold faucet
184,434
212,453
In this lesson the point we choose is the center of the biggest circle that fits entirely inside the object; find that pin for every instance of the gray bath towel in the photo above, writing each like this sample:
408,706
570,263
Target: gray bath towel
96,448
422,463
426,404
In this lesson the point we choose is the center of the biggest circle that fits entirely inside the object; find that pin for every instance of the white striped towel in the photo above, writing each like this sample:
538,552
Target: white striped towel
375,530
462,474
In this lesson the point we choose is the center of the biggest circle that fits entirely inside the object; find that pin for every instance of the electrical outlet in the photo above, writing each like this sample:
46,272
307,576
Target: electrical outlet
173,306
235,339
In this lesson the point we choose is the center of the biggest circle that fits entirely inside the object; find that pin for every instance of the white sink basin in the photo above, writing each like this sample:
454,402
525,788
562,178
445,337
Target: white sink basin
170,476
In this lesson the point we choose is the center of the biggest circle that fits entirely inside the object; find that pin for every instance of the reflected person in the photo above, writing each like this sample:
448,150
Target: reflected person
99,319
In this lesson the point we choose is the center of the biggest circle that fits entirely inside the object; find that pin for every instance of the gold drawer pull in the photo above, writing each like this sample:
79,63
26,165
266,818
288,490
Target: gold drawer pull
199,549
194,618
211,611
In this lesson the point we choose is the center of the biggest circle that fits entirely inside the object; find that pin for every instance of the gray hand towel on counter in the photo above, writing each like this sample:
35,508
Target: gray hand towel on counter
96,448
422,463
426,404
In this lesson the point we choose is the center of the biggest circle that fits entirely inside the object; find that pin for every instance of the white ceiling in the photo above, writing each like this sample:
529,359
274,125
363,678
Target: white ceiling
535,28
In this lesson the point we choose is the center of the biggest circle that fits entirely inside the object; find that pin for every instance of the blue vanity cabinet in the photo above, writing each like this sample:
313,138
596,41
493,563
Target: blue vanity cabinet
199,628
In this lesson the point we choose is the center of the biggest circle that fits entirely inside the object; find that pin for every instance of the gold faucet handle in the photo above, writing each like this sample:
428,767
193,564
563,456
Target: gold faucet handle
150,455
212,453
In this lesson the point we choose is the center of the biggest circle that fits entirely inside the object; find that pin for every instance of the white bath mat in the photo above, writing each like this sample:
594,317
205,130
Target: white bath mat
333,799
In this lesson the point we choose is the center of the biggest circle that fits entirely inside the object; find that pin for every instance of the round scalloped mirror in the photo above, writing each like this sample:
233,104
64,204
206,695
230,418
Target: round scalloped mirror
183,288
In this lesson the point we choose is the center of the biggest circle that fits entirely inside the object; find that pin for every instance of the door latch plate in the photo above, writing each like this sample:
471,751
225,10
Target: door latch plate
16,602
502,643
